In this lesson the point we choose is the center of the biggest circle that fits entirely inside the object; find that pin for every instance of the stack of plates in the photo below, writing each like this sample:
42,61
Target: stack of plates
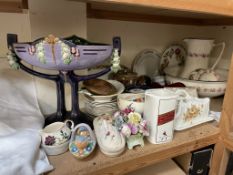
95,109
97,105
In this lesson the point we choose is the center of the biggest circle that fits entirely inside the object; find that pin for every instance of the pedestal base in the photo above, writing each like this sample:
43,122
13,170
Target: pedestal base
135,140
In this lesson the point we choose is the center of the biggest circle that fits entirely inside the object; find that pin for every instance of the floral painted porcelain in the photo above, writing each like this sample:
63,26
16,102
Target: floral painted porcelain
198,55
132,126
56,133
110,140
204,88
191,112
57,149
64,54
82,142
174,55
135,101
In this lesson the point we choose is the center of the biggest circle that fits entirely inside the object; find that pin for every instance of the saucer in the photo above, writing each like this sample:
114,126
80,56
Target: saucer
146,62
173,56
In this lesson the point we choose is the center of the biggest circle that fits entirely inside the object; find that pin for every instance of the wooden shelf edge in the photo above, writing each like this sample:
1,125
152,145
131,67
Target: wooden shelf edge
223,7
137,17
98,164
228,142
149,18
156,157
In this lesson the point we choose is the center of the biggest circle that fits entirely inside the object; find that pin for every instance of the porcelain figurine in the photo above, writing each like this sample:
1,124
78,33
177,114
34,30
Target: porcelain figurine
132,126
110,140
115,61
82,141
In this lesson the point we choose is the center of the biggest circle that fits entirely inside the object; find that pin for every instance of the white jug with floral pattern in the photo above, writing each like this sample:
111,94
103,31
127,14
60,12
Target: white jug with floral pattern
198,55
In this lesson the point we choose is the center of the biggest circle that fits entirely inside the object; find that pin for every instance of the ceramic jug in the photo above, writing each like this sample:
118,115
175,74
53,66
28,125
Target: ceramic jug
198,55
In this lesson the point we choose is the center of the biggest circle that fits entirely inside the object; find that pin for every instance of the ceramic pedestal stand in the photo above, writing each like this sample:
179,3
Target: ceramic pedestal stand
63,76
135,140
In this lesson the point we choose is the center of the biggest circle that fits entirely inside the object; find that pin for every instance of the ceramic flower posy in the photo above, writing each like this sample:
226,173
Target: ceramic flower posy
130,123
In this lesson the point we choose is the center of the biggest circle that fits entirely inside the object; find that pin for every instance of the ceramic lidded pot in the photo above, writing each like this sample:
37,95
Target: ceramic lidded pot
56,133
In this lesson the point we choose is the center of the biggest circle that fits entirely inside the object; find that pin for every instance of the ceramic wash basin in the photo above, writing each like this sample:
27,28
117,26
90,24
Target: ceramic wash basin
204,88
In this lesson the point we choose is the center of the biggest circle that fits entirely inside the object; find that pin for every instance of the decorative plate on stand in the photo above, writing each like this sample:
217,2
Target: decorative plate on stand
173,56
146,62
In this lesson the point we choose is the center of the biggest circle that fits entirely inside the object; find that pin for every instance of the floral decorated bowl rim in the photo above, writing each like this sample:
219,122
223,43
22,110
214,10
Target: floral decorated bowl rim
200,81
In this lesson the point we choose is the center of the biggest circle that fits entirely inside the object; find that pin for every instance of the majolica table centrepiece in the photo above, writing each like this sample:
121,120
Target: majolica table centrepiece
64,55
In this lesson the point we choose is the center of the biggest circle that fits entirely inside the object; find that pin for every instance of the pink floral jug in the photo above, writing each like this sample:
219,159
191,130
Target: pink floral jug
198,55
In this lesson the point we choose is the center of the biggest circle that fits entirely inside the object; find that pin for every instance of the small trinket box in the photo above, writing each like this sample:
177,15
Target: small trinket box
82,141
192,111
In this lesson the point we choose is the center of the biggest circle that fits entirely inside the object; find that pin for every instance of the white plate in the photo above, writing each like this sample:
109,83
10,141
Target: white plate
105,98
174,55
100,110
146,63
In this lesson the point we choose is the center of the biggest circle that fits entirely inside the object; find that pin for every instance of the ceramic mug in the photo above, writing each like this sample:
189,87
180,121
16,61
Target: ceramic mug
57,133
159,111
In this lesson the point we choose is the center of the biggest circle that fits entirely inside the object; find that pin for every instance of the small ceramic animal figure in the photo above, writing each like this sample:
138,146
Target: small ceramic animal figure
82,138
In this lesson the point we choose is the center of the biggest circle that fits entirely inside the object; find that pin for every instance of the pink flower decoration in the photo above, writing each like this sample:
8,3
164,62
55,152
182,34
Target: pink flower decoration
126,131
133,128
143,128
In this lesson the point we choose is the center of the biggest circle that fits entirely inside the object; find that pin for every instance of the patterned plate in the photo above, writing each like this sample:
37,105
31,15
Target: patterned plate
173,55
146,62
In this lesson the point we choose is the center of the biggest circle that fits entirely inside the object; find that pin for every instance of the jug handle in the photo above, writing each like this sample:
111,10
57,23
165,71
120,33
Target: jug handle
220,55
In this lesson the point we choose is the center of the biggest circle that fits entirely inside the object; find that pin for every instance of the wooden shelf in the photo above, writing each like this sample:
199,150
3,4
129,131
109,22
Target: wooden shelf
184,141
198,12
223,7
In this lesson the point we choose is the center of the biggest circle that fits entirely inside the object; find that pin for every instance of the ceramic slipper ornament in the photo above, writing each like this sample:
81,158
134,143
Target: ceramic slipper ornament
82,142
110,140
